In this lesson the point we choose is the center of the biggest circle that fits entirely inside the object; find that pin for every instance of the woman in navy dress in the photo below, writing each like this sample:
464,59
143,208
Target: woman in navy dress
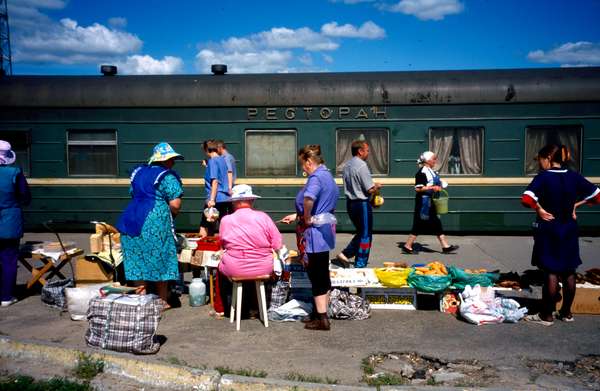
555,193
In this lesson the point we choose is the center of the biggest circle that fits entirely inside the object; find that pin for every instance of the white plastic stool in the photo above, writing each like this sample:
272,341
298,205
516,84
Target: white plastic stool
236,298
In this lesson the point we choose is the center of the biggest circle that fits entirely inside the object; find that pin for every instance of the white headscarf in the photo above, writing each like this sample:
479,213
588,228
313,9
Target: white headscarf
425,157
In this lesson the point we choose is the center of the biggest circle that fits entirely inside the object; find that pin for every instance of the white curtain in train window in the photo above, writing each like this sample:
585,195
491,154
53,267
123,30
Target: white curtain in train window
271,153
441,144
539,136
459,150
377,139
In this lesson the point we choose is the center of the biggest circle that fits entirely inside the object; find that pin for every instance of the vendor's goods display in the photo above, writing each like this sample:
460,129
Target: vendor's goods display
432,278
394,277
124,323
462,278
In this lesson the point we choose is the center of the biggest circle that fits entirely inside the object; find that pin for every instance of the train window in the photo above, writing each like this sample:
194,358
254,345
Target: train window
459,150
270,153
92,152
378,140
538,136
20,142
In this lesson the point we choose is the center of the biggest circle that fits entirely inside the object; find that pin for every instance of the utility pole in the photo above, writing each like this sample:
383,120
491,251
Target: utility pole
5,55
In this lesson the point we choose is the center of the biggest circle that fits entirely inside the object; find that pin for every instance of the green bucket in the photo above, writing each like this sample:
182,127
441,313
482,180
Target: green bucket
441,202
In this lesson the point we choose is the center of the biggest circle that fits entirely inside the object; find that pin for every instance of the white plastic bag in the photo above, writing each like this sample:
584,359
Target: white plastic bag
78,299
479,307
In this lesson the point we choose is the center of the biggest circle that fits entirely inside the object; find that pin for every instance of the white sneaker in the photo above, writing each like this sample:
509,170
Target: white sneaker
9,302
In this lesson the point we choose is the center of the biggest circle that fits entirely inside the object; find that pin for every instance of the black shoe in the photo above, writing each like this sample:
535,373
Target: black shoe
449,249
407,250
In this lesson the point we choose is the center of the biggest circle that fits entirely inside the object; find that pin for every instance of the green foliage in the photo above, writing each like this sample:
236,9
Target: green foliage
295,376
241,372
385,379
87,368
26,383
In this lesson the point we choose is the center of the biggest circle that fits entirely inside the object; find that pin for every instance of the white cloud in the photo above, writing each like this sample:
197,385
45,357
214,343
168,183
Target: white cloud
281,49
146,65
580,53
425,9
262,61
68,43
368,30
118,22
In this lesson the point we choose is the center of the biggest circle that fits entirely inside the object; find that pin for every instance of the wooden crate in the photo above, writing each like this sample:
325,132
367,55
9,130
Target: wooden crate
88,270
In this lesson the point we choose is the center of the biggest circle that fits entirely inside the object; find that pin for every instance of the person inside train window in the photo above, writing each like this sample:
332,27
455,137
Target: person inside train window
425,217
555,193
14,194
249,238
146,226
359,187
217,190
229,162
315,231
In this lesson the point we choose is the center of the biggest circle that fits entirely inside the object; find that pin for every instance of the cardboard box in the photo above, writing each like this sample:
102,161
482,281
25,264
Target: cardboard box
587,301
91,270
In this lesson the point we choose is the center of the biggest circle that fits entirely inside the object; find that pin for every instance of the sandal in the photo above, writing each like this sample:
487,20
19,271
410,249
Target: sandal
564,318
216,315
536,319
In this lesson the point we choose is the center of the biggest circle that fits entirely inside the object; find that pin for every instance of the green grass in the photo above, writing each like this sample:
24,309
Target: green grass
87,368
295,376
26,383
383,379
176,361
241,372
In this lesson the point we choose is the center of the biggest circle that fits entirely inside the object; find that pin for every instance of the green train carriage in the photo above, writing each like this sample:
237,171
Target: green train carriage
77,138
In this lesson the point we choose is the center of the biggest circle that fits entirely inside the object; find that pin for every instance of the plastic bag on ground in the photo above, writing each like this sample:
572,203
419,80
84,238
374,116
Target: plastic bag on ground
291,311
343,305
480,306
78,299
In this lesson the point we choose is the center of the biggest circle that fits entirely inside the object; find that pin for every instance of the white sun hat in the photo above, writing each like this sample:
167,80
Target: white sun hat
242,192
7,155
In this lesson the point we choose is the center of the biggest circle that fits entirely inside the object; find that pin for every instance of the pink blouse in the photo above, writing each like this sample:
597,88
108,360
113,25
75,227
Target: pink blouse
249,238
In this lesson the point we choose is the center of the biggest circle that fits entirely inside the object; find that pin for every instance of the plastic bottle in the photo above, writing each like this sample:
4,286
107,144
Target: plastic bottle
197,292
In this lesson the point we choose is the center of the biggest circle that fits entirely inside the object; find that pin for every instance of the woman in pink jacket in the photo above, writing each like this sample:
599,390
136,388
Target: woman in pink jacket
249,238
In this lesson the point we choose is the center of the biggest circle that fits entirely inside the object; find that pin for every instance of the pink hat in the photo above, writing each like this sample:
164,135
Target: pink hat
7,155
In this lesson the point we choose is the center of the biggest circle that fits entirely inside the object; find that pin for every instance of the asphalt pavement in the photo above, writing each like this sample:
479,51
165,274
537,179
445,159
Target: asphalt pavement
195,339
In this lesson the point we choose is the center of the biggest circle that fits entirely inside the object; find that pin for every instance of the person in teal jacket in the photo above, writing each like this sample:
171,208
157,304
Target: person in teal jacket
14,194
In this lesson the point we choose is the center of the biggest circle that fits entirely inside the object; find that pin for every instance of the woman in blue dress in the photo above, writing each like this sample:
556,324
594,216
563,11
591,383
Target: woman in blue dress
146,225
555,193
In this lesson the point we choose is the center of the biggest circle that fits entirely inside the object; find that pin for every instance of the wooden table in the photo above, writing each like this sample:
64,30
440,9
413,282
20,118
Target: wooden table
49,268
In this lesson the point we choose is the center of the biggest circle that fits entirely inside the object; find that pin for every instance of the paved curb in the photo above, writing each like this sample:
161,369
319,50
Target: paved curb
175,377
158,375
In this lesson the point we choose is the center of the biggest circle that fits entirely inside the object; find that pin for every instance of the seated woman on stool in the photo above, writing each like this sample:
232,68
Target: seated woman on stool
249,238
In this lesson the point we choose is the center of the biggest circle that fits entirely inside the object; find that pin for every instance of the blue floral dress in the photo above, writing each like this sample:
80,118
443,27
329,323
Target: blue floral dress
152,255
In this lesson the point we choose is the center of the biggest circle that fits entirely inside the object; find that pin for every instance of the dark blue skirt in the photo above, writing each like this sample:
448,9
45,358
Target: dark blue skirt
556,246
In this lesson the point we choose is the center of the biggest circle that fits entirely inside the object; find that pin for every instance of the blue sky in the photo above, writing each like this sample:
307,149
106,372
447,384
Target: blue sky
168,37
